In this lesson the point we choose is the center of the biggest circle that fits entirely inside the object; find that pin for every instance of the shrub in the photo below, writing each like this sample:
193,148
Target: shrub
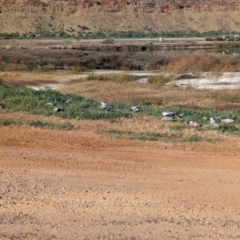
160,79
230,128
149,136
111,77
41,124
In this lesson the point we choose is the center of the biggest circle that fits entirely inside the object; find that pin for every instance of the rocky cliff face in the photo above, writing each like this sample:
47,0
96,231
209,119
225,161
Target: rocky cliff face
117,15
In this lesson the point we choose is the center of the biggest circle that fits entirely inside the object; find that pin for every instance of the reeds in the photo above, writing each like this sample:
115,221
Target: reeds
201,63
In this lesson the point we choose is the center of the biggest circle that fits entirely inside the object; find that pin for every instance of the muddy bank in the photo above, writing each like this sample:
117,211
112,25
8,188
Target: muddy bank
46,59
65,59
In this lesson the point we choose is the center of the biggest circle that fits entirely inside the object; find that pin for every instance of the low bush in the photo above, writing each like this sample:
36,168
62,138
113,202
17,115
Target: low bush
230,128
8,122
111,77
160,79
41,124
149,136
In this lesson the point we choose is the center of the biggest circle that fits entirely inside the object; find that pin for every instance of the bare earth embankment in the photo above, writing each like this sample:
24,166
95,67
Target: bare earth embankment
81,184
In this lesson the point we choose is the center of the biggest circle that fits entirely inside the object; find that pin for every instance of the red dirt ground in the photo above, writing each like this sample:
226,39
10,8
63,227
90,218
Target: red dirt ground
80,184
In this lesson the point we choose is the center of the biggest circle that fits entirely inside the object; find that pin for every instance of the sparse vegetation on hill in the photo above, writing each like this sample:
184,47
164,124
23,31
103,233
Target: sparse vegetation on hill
110,35
90,19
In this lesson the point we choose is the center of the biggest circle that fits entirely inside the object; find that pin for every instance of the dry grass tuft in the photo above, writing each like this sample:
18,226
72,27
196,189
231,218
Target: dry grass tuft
118,78
161,79
201,63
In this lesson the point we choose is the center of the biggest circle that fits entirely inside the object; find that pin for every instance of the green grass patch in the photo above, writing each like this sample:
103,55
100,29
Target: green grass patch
153,136
145,136
193,138
178,127
37,124
8,122
40,124
34,102
229,128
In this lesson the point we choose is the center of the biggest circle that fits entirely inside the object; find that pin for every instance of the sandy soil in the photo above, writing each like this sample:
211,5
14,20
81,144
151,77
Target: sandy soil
81,184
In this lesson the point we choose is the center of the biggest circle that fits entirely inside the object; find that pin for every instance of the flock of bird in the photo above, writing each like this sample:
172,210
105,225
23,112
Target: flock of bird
58,109
170,116
167,116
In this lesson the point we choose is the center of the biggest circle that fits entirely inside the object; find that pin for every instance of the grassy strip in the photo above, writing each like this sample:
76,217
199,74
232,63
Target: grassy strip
8,122
153,136
28,100
37,124
40,124
150,136
76,107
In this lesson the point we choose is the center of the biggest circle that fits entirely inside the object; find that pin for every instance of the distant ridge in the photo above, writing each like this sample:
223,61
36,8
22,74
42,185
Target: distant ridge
83,16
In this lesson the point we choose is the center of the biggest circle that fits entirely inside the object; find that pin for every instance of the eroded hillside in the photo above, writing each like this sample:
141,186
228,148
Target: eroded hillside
72,17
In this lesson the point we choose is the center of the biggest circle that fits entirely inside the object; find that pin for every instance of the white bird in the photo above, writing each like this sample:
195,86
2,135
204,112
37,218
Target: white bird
68,100
194,124
181,115
168,114
135,109
103,105
57,109
227,120
213,123
167,119
49,104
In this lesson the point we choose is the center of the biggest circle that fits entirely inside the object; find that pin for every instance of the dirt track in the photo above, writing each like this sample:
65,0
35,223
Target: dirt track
82,185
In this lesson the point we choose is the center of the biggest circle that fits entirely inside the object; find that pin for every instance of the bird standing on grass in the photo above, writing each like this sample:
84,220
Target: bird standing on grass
167,119
49,104
68,100
168,114
227,120
105,106
58,109
213,123
194,124
135,109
